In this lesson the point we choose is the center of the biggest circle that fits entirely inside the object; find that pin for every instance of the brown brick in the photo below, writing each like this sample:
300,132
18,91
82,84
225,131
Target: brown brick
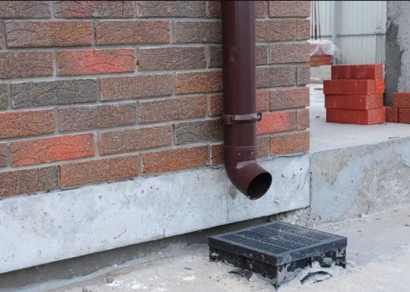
98,171
175,159
171,58
303,30
276,122
26,123
289,8
303,119
133,32
275,76
3,155
289,53
86,62
172,109
216,60
132,87
192,132
24,9
96,117
61,92
171,8
275,30
3,96
303,74
200,82
216,103
25,64
1,41
28,181
392,114
290,143
52,149
289,98
197,32
214,8
134,140
94,9
31,34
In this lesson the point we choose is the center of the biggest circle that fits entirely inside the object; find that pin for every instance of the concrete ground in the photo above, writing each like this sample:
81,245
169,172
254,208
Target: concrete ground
378,256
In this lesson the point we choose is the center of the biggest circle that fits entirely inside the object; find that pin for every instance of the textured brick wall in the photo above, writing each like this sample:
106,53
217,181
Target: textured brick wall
95,91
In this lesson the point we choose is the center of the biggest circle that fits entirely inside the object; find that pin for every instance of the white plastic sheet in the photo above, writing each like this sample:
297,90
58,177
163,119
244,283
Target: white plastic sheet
324,47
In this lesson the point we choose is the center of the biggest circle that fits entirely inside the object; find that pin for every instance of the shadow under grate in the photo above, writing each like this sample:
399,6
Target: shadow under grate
278,250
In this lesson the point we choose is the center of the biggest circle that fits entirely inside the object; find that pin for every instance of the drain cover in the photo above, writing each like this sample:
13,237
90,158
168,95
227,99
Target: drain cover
278,250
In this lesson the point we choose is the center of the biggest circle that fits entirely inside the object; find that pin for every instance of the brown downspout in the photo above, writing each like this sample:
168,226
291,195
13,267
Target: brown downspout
239,115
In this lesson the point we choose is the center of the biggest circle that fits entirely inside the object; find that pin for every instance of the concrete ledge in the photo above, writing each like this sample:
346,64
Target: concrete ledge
44,228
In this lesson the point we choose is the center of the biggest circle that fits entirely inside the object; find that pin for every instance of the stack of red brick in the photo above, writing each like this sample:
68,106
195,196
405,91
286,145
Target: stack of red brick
355,95
400,111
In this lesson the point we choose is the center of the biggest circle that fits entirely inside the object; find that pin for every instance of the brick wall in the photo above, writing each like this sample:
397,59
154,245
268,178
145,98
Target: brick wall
96,91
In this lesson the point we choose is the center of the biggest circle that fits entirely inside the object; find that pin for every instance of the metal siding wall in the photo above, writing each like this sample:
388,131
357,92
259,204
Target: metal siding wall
361,28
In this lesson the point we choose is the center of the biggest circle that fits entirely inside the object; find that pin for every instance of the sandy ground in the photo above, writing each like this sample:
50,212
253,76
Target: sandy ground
378,260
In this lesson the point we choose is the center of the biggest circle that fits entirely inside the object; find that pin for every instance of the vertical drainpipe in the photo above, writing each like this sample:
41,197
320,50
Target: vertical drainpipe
239,114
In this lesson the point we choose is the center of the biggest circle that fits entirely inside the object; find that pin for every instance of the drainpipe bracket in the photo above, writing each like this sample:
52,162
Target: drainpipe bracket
241,119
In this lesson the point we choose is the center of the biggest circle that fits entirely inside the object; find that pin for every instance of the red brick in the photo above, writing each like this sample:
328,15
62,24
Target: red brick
26,123
216,103
290,143
52,149
404,116
318,58
369,117
18,65
28,181
214,8
275,30
197,32
216,155
303,119
31,34
275,76
200,131
289,98
370,71
354,102
350,87
289,8
303,30
175,159
133,87
94,9
172,109
171,8
96,117
392,114
133,32
24,9
401,99
86,62
289,53
3,155
199,82
98,171
276,122
380,85
134,140
171,58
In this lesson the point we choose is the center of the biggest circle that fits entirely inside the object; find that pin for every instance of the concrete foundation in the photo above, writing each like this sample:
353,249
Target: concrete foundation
397,49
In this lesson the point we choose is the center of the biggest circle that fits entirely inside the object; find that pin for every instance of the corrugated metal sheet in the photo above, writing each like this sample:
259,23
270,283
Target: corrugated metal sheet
360,28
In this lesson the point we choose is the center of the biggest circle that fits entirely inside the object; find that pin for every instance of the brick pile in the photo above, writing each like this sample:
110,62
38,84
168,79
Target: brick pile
400,111
355,95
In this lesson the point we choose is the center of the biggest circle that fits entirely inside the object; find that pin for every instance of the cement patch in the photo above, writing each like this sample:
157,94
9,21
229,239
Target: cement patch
353,181
44,228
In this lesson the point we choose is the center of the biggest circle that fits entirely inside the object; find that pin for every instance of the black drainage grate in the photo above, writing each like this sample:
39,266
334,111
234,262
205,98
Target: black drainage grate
278,250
